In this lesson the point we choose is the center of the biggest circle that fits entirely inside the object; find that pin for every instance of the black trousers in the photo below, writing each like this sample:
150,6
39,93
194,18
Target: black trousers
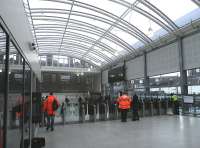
135,115
124,115
176,108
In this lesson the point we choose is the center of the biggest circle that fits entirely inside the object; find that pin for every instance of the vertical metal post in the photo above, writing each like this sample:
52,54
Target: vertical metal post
101,88
146,78
6,90
183,73
23,103
125,78
31,110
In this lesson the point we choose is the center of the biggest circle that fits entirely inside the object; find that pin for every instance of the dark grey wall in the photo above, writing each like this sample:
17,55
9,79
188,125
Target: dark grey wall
52,81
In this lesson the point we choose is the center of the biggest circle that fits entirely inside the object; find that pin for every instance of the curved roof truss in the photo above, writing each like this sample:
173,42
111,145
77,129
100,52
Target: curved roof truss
88,31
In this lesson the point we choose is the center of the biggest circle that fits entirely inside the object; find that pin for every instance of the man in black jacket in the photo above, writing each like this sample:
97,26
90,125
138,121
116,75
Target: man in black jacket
135,108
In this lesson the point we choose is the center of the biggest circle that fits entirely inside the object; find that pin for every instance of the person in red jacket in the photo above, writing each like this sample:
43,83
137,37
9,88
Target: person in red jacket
124,102
50,106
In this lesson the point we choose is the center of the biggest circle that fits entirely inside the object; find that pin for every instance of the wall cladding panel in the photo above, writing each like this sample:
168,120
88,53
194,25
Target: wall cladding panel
191,51
135,68
12,13
164,60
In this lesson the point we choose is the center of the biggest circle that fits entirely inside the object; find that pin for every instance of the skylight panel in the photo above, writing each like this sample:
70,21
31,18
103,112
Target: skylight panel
48,4
106,5
124,36
175,9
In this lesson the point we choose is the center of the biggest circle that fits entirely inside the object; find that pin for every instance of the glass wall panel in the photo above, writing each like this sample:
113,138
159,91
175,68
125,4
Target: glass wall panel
15,101
193,81
2,72
27,104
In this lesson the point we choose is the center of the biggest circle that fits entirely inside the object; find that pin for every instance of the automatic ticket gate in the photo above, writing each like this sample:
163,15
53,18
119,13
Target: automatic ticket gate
152,106
72,112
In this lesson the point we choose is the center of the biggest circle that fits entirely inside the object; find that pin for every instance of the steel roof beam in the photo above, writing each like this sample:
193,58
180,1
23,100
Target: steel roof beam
160,13
106,47
197,2
67,23
82,47
74,55
84,38
123,27
111,37
80,39
123,43
144,13
106,13
72,52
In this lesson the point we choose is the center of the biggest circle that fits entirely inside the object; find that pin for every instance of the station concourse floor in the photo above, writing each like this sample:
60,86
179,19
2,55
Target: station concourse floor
149,132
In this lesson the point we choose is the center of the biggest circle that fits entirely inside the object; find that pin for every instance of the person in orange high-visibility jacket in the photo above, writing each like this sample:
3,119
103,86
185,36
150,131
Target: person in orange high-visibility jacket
48,107
124,103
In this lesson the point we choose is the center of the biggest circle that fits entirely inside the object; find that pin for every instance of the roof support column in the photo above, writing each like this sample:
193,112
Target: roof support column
183,73
49,60
146,77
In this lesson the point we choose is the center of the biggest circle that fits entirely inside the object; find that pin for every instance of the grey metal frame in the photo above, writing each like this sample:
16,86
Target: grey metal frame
127,29
95,30
8,46
70,25
197,2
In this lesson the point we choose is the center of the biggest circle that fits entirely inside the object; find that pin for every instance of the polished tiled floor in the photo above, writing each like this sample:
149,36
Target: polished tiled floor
151,132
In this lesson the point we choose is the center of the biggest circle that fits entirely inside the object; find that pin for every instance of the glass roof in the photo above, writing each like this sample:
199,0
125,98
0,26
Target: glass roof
102,31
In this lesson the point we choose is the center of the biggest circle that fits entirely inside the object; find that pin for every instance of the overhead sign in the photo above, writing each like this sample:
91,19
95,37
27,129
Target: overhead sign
188,99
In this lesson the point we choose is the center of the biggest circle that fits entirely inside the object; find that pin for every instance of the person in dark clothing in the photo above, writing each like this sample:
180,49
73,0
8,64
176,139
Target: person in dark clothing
66,100
80,101
135,107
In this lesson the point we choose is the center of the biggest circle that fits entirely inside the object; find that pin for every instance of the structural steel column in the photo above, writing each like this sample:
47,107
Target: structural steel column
6,91
183,73
125,78
146,77
23,105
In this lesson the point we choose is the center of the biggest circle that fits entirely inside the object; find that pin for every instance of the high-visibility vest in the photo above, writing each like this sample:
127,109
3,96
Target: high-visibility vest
48,105
124,102
174,98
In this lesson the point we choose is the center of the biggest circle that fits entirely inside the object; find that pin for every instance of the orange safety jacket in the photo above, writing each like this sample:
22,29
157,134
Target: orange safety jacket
48,105
124,102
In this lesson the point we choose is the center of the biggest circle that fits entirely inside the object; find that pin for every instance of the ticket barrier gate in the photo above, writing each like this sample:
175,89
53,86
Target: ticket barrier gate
164,106
113,111
102,112
148,111
196,106
92,112
156,107
82,112
141,108
72,112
